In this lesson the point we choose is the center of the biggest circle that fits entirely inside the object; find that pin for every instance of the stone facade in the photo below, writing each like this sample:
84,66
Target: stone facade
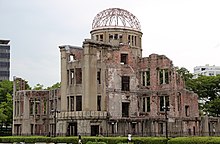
33,110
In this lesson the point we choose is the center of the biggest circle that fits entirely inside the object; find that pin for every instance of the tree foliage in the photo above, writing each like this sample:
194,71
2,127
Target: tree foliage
6,104
38,87
54,86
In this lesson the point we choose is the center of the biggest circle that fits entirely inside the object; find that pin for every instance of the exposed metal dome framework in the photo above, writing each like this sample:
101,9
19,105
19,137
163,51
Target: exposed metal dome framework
116,17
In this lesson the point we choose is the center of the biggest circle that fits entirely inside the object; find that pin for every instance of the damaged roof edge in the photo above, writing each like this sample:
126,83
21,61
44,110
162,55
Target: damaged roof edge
69,47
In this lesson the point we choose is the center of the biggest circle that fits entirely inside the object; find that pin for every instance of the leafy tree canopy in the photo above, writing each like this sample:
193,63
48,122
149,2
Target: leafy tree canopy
54,86
38,87
6,104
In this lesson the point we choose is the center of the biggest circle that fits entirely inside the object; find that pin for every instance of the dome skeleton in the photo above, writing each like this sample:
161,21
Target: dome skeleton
116,17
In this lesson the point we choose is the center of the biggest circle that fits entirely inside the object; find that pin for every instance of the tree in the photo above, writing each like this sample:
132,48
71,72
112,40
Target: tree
208,90
186,75
6,105
38,87
5,87
54,86
6,109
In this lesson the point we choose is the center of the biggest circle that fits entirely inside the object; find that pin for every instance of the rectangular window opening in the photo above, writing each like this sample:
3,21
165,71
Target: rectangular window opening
146,78
125,109
164,103
97,37
101,37
78,76
71,103
110,37
124,58
68,104
148,104
120,38
129,39
187,110
144,105
72,57
115,36
71,76
164,76
78,103
99,76
98,103
125,81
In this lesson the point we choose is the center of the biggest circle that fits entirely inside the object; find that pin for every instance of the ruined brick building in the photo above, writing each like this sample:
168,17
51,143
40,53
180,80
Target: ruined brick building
108,88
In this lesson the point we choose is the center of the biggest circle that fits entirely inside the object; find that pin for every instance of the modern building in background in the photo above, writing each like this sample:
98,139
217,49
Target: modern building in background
4,60
108,88
206,70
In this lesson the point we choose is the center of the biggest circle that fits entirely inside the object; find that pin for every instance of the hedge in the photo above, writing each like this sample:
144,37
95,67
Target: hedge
74,140
195,140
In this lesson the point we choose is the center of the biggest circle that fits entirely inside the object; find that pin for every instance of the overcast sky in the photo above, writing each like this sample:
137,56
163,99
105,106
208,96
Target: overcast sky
186,31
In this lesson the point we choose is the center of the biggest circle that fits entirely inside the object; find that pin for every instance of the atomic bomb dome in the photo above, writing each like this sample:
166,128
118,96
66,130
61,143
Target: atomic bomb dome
116,18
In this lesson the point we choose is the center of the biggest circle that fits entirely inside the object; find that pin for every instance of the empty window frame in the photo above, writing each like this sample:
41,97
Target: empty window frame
164,103
125,109
135,40
78,103
187,110
125,83
97,37
132,40
31,105
71,76
124,58
110,37
45,106
72,57
99,76
145,78
78,76
129,39
164,76
37,106
120,38
99,103
115,36
101,37
178,101
146,104
71,103
68,103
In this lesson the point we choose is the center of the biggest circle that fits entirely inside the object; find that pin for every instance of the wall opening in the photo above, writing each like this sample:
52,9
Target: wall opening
71,103
98,103
78,76
164,76
187,110
124,58
72,129
145,78
99,76
164,102
125,109
78,103
125,83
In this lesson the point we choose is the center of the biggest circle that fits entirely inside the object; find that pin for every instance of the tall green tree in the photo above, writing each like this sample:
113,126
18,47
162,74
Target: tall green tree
6,105
208,90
